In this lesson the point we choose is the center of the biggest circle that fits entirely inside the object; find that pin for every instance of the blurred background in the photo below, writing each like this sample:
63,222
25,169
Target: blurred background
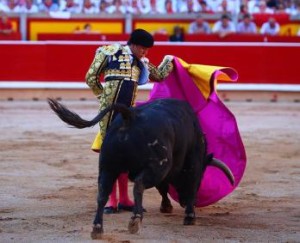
46,46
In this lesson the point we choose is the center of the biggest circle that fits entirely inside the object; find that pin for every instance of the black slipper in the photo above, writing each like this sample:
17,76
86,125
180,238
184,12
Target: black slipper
110,210
125,208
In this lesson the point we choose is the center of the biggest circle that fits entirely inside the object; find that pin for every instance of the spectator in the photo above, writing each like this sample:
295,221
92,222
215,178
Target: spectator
11,7
126,6
271,27
226,7
272,4
178,35
87,29
280,9
135,7
89,7
168,8
48,6
116,7
262,8
296,10
27,7
5,24
246,26
3,6
213,5
70,6
156,6
224,26
291,7
192,6
234,5
199,26
243,9
144,6
204,8
103,5
251,4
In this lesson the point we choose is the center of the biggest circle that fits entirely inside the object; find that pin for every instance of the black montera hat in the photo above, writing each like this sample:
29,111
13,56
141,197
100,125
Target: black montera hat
141,37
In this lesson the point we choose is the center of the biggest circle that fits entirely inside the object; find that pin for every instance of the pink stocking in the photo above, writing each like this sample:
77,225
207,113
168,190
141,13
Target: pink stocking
113,201
123,190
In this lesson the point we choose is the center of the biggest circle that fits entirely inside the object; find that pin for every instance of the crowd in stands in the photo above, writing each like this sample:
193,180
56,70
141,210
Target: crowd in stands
226,26
6,27
291,7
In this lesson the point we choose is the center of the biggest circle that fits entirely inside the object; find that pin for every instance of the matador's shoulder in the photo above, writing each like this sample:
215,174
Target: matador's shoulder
109,49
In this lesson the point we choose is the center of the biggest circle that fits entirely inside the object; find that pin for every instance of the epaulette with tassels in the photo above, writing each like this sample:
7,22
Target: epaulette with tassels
109,49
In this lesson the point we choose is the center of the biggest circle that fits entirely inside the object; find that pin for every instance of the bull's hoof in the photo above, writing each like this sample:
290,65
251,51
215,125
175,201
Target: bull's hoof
189,220
97,232
166,209
134,225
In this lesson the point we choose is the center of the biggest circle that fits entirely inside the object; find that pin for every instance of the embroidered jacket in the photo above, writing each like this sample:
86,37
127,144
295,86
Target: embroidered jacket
115,62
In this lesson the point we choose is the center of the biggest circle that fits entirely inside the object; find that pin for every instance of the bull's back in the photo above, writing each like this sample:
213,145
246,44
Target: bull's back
159,130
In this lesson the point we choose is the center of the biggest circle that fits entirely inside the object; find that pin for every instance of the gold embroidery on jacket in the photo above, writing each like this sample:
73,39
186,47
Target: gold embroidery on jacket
161,72
93,74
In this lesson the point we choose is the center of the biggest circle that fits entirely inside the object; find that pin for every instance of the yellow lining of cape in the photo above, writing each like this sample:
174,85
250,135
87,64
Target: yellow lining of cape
201,75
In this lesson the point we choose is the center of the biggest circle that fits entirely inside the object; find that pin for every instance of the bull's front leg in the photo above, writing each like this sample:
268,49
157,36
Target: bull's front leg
105,185
136,219
165,206
190,216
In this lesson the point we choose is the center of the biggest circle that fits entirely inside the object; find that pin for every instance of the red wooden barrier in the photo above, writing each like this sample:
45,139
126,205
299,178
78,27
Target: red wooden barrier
54,61
11,36
165,37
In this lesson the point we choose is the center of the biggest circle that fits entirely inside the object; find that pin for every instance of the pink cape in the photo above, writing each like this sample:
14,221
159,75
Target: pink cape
217,122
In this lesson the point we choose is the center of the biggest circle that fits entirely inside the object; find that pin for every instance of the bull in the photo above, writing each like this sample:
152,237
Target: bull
159,143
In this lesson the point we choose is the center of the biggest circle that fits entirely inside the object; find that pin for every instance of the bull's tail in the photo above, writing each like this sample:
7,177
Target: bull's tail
75,120
221,165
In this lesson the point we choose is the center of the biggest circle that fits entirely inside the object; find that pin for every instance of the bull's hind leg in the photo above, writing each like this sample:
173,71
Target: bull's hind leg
192,177
136,219
190,217
105,185
165,206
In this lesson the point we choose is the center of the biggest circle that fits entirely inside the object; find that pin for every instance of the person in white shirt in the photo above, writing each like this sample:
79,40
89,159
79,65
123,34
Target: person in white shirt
271,27
3,6
117,6
48,6
89,7
27,7
251,4
213,5
246,25
144,6
189,6
70,6
199,26
262,8
224,26
226,7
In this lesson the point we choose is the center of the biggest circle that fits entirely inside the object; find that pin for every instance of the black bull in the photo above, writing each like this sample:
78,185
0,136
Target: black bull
158,144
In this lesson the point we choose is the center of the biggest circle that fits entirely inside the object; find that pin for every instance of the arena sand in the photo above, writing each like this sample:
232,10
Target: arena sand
48,178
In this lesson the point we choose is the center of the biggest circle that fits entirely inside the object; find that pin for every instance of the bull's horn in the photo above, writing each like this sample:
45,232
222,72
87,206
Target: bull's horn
224,168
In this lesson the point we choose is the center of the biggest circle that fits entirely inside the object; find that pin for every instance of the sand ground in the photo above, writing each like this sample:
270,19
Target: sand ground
48,178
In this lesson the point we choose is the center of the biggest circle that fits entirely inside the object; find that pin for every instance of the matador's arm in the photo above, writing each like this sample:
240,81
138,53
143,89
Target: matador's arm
159,73
93,75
